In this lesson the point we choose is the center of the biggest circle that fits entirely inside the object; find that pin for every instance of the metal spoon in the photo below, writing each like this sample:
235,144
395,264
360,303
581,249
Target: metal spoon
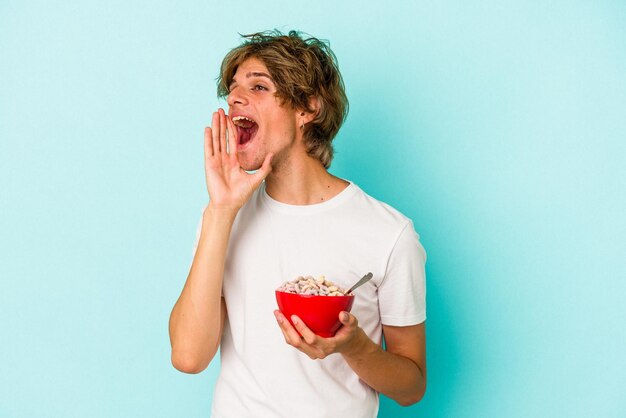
363,280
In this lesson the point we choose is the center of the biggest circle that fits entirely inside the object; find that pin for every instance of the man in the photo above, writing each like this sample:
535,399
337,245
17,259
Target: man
291,217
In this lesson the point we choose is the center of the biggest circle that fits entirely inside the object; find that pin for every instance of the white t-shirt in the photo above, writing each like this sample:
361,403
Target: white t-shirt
343,239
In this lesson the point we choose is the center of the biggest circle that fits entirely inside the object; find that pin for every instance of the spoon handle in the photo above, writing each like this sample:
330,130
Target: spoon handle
363,280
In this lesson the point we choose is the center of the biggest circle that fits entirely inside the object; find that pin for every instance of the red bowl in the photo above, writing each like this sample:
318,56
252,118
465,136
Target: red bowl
319,313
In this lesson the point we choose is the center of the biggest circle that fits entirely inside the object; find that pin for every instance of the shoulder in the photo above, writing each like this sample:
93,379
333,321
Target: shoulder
376,211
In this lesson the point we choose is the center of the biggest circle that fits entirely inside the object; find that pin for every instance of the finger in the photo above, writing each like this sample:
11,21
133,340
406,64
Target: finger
223,127
208,147
291,335
215,128
308,335
232,137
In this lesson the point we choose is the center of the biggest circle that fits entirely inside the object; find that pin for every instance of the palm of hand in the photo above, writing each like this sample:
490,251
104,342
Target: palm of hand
227,183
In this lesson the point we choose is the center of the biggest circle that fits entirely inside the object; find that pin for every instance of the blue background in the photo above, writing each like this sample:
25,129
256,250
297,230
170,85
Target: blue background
498,127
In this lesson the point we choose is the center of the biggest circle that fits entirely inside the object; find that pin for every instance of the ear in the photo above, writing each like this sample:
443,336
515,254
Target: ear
307,115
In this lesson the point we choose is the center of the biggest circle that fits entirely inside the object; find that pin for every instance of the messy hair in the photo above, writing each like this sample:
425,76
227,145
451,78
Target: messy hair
302,67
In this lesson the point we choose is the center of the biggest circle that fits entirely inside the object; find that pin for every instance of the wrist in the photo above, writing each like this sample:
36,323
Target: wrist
360,347
217,216
220,211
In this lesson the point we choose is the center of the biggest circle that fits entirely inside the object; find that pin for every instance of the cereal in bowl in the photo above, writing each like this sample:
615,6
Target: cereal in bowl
312,286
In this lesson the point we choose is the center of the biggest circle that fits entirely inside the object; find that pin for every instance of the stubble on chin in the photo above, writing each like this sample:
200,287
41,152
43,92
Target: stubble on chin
248,163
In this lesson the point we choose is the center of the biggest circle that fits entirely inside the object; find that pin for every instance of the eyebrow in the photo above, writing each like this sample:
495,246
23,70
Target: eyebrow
258,74
253,74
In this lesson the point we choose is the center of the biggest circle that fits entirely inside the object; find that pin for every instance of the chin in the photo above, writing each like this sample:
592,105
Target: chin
250,164
253,167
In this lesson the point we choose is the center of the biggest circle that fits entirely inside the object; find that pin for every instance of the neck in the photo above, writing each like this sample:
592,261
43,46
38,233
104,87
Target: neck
303,182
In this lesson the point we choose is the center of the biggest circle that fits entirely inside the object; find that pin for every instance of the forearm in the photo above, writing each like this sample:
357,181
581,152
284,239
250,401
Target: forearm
197,317
395,376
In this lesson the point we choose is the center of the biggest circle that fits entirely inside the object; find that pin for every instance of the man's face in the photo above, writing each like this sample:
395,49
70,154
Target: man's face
263,124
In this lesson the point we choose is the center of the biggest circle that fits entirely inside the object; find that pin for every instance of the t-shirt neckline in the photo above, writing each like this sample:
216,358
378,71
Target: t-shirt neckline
286,208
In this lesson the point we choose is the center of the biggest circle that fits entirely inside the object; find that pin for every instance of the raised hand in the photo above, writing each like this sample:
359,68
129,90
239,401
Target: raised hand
228,184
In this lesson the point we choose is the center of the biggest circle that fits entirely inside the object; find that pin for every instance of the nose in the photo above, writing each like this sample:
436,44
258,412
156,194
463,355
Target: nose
236,96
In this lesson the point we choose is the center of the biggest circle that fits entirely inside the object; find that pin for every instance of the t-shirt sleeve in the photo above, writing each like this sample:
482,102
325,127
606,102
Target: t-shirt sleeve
402,292
198,232
195,245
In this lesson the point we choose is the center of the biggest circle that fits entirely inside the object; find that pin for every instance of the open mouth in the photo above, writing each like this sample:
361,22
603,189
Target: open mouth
246,129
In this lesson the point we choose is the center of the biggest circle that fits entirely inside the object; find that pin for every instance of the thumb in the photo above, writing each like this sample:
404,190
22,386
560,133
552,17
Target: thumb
347,318
265,169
